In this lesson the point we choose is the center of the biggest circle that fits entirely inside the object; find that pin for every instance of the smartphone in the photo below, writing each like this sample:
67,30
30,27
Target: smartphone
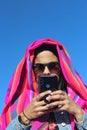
47,82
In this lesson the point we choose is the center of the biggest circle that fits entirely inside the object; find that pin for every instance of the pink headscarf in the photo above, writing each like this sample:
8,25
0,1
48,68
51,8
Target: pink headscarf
22,87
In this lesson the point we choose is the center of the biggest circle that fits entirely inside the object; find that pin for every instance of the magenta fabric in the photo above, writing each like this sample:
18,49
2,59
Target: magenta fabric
22,87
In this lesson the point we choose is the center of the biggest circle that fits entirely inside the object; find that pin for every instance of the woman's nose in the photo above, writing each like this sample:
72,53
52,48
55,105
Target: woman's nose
46,71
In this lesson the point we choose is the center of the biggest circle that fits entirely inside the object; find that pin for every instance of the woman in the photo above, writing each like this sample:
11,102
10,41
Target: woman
62,109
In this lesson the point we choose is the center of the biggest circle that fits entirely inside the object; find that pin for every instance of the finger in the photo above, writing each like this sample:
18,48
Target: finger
61,108
41,95
41,103
42,110
55,97
59,92
56,103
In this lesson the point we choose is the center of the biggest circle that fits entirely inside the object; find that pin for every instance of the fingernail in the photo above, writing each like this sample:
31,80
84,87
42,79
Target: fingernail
48,98
49,91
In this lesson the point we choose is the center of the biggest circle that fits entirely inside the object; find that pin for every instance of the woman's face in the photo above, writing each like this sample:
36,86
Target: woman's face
46,63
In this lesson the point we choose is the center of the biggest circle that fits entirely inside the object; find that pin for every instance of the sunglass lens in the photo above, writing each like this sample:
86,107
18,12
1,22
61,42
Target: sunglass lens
53,66
41,67
38,68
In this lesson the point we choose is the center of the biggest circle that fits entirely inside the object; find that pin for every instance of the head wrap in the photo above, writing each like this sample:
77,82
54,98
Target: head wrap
22,87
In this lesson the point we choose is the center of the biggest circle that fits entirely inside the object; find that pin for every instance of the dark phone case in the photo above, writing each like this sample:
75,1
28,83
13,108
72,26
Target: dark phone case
49,82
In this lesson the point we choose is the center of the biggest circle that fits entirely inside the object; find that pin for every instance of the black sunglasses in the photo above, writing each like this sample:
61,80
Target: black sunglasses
52,66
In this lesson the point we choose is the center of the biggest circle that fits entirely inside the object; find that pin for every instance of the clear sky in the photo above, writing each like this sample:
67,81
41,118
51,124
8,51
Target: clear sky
23,21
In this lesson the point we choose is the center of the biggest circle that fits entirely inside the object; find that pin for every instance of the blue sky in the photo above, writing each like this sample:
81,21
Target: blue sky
23,21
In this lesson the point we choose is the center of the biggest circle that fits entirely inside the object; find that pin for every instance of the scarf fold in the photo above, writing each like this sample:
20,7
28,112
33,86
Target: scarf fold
22,87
